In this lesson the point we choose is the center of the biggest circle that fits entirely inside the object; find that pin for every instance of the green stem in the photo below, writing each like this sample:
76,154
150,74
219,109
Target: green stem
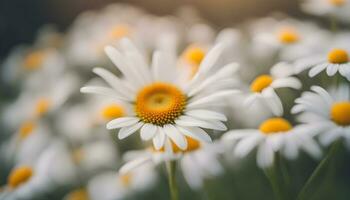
319,170
171,168
333,24
272,176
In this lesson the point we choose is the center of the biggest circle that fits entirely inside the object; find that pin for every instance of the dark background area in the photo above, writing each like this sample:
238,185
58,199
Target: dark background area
20,19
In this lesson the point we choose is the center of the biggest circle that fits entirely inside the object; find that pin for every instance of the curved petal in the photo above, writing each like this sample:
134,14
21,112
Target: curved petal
206,115
127,131
172,132
122,122
148,131
196,133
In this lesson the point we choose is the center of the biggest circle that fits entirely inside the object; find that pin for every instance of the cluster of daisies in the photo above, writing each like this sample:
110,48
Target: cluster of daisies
170,88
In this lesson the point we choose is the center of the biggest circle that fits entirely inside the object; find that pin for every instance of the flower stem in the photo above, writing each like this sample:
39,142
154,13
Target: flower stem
272,176
171,168
319,170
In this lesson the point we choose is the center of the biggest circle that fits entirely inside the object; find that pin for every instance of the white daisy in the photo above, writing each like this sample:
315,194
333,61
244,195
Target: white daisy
162,104
332,8
109,185
335,60
274,135
263,87
328,112
198,162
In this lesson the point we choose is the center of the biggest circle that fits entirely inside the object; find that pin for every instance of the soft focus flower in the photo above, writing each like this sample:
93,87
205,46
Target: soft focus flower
327,112
332,8
162,104
274,135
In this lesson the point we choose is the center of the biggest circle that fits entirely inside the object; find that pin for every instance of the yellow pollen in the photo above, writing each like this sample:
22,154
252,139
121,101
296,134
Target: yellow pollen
112,111
126,179
288,35
119,31
194,54
160,103
42,106
337,2
338,56
26,129
19,176
192,145
34,60
78,194
275,125
340,113
260,83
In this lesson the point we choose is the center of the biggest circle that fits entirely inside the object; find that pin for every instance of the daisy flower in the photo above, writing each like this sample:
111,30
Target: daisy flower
329,112
336,59
274,135
198,162
263,87
109,185
287,38
162,104
333,8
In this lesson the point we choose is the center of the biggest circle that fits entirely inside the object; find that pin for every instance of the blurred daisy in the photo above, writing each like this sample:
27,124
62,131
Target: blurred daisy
288,38
274,135
332,8
38,102
263,87
329,112
198,162
162,104
109,185
335,60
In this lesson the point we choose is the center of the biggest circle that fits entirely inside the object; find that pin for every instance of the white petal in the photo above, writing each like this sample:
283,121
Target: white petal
323,93
148,131
127,131
290,82
121,122
329,137
238,134
206,115
250,100
173,133
317,69
195,132
246,145
273,101
191,121
332,69
129,166
159,139
102,91
265,155
163,67
212,98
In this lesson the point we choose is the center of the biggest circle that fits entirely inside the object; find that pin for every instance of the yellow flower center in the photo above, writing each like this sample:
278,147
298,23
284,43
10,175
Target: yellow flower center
34,60
112,111
338,56
275,125
126,179
260,83
192,145
78,194
194,54
119,31
160,103
19,176
42,106
337,2
288,35
340,113
26,129
77,155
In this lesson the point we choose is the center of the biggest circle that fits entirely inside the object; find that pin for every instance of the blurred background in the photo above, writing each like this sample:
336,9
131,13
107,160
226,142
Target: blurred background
20,20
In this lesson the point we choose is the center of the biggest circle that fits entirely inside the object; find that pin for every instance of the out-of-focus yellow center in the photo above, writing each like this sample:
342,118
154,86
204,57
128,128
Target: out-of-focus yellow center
42,106
126,179
338,56
160,103
340,113
119,31
194,54
34,60
192,145
112,111
19,176
77,155
288,35
26,129
260,83
78,194
275,125
337,2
